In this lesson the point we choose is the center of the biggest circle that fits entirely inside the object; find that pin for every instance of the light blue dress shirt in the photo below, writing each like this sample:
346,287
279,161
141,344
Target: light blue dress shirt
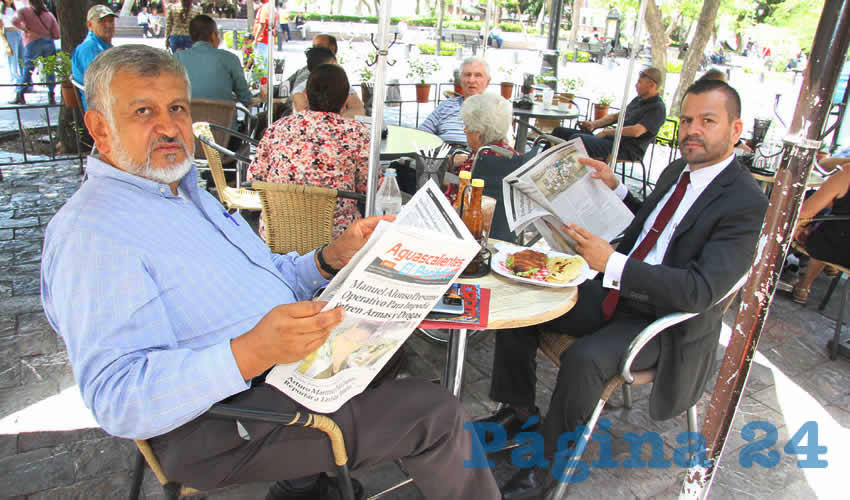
147,289
214,73
83,55
446,122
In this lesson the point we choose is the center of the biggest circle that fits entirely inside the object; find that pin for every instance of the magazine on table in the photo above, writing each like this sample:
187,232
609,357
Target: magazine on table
386,289
554,189
476,308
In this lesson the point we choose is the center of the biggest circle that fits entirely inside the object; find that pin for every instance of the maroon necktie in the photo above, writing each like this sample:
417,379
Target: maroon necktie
610,302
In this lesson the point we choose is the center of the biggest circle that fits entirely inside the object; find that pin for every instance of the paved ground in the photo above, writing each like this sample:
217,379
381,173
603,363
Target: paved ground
50,446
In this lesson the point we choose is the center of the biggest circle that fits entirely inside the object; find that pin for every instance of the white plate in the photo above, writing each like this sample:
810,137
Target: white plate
497,264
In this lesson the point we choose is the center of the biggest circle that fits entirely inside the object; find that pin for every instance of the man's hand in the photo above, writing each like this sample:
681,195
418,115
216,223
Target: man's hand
460,159
605,132
602,172
338,253
587,126
286,334
594,249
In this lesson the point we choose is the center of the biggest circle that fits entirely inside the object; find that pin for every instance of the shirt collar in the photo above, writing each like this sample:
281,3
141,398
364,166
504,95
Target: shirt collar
97,168
702,177
202,44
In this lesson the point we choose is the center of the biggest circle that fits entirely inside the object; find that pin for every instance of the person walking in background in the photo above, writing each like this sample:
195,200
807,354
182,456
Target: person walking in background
177,26
283,19
14,41
39,29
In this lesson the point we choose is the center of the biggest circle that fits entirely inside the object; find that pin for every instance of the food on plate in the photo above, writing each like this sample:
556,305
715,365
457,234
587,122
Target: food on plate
564,269
526,263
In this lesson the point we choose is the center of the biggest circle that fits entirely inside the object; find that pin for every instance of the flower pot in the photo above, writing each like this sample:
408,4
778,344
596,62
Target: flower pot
599,111
69,95
507,90
423,90
567,97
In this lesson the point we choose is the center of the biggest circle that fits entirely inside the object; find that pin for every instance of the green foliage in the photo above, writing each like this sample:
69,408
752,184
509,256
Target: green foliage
511,27
582,56
58,64
446,48
570,85
674,66
605,100
422,67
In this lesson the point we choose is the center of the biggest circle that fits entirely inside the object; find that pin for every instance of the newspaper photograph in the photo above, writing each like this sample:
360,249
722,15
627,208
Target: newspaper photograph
555,189
387,289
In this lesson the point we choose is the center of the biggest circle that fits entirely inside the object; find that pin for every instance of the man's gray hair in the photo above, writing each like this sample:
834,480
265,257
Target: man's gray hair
139,59
488,114
478,60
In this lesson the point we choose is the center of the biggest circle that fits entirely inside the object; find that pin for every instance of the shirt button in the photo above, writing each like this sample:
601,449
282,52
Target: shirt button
315,282
162,190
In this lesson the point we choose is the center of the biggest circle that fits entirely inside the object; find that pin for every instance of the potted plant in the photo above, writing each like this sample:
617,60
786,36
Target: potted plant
600,108
507,84
367,86
59,65
569,87
420,68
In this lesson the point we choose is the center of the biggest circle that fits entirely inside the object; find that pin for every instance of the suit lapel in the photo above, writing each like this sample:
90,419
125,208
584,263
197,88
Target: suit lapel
711,192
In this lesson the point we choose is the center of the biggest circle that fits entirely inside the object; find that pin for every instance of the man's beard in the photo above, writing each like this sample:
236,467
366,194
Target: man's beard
163,175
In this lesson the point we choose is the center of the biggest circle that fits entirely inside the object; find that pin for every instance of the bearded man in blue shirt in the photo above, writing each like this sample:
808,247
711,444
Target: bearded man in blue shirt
131,267
101,23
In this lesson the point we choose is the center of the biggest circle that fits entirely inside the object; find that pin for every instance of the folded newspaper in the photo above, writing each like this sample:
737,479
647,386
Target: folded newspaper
386,289
553,189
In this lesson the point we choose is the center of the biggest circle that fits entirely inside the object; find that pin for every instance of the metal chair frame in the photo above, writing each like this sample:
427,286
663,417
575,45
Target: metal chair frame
627,378
174,490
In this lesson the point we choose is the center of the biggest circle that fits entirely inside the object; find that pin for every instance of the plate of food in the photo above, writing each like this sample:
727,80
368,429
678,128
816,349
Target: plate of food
538,267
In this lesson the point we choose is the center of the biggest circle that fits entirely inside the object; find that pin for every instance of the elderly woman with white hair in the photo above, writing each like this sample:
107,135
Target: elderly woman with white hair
487,122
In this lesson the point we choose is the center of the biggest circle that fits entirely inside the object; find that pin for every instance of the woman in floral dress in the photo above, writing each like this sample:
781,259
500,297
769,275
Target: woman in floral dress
318,147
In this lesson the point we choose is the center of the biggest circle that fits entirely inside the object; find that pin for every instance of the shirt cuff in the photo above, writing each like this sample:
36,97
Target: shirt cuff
227,371
614,270
621,191
306,267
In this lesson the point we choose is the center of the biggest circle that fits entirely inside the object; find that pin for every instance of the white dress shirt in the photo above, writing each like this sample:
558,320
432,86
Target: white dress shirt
700,179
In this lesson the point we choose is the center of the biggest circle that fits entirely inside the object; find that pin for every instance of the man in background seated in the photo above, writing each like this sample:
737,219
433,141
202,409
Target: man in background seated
445,120
151,356
316,56
101,23
645,115
300,75
214,73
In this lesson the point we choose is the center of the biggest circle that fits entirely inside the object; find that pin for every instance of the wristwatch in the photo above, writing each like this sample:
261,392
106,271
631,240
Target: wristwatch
320,255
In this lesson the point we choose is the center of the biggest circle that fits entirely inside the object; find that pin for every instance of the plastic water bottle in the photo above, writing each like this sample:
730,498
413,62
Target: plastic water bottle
388,200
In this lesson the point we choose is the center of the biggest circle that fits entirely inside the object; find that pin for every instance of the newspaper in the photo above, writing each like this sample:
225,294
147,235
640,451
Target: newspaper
554,189
386,289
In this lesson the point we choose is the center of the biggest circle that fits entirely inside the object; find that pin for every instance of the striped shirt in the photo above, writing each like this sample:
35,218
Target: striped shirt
445,121
147,289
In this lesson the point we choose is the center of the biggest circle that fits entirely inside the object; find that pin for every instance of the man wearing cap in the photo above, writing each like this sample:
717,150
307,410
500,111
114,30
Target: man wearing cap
644,116
101,23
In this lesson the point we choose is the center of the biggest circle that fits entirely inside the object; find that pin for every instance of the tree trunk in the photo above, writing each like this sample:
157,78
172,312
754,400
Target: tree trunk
657,39
705,27
72,17
126,8
547,6
417,7
249,12
574,18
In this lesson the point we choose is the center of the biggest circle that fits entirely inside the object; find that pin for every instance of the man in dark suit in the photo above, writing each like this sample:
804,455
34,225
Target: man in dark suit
688,244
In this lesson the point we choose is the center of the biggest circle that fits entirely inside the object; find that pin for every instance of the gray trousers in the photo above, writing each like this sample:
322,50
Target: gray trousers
409,419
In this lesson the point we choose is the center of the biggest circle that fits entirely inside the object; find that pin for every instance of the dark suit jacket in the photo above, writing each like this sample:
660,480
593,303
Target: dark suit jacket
711,249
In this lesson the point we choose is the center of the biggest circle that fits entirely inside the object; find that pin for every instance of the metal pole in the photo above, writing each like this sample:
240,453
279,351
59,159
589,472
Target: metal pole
801,143
440,28
378,97
618,133
487,27
555,10
271,24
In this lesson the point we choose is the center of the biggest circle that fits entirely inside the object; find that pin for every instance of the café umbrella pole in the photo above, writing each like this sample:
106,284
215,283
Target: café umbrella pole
618,133
378,106
829,48
271,24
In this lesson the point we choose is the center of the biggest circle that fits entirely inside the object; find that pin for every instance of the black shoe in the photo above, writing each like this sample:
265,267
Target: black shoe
513,423
324,488
51,99
527,484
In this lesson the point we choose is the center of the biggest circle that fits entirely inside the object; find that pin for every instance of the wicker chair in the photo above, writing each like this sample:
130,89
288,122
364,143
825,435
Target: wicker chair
213,111
298,218
553,344
232,198
173,490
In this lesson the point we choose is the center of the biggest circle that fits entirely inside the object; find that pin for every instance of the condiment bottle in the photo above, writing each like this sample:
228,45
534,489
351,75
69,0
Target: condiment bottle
462,193
472,216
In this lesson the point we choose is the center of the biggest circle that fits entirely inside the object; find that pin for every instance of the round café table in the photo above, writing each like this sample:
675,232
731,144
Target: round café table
538,110
404,141
513,304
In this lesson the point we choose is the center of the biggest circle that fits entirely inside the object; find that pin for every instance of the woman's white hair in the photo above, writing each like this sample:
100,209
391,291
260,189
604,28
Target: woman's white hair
488,114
